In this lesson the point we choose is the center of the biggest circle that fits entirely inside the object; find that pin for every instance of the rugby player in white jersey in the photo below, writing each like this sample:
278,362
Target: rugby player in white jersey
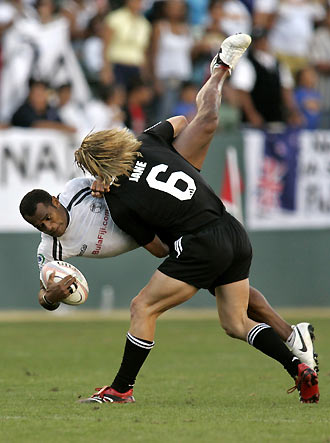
64,236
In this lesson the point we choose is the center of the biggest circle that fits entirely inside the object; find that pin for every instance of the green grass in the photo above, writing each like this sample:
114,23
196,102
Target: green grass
197,386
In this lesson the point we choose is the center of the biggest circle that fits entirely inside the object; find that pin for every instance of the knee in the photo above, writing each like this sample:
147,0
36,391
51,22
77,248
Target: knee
137,307
234,329
142,308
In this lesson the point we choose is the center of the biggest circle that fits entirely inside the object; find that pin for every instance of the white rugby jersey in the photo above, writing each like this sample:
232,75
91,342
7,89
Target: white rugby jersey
91,232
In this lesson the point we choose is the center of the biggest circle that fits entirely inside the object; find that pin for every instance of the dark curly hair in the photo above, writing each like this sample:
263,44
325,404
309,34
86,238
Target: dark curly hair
29,202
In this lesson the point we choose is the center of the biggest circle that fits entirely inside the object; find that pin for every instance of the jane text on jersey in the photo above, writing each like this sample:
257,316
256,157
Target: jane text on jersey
137,171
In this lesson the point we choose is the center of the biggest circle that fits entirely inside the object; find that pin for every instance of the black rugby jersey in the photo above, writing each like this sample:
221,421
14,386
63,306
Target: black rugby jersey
164,195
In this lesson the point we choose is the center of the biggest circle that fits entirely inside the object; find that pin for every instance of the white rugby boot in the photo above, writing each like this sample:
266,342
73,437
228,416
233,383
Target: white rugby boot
301,344
231,50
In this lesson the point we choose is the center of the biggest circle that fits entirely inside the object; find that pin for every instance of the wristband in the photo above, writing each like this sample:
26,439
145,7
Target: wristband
47,302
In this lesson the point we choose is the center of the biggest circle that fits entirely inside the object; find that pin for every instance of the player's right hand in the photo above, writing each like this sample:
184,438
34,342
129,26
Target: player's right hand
99,188
56,292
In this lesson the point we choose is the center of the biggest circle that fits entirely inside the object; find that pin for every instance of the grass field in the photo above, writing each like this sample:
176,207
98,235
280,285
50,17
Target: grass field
197,386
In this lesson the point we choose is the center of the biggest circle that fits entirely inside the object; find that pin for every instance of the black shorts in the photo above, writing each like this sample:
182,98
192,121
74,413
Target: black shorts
218,254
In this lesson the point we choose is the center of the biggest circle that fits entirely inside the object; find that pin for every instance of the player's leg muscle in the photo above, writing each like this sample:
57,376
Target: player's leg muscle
195,139
160,294
232,302
260,310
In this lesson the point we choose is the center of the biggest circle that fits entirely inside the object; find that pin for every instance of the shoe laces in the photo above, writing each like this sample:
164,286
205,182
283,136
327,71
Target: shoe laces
100,391
300,378
290,390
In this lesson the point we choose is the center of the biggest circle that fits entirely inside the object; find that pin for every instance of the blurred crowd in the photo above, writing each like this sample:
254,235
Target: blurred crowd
83,65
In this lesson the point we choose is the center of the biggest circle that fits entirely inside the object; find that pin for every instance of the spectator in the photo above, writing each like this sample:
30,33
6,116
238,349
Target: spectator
10,12
264,86
171,48
197,12
71,112
139,97
79,13
7,15
264,13
249,5
107,113
95,115
293,29
126,42
187,103
28,53
308,98
319,54
208,42
153,10
235,18
37,113
92,53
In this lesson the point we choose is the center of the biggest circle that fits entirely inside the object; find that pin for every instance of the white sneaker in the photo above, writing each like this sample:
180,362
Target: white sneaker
302,345
231,50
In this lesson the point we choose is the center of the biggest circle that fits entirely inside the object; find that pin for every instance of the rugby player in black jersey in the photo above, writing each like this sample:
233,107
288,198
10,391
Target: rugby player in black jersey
159,198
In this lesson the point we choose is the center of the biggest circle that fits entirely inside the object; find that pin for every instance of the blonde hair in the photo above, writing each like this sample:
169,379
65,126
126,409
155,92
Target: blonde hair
108,154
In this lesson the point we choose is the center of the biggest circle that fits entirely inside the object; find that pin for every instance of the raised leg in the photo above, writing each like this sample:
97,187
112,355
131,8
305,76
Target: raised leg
195,139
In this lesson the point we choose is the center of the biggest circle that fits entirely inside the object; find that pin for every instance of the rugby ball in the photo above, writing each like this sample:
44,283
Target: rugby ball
62,269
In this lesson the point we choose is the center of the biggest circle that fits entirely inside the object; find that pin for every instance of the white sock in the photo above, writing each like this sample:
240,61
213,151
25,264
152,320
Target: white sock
291,338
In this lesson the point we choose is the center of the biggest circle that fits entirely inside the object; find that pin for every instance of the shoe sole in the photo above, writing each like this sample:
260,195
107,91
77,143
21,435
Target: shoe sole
310,378
112,400
234,50
314,399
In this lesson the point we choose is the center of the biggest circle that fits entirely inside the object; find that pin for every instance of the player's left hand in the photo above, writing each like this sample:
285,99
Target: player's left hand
99,188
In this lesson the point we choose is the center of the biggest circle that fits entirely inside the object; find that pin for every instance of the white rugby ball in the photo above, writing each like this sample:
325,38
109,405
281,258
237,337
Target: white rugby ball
62,269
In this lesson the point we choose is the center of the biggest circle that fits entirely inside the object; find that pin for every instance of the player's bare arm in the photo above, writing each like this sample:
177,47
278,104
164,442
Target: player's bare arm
157,248
51,297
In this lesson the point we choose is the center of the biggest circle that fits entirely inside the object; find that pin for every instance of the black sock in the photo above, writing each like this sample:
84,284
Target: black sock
264,338
136,351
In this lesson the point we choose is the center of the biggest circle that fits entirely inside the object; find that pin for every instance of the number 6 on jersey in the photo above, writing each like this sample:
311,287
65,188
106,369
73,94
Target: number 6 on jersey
169,186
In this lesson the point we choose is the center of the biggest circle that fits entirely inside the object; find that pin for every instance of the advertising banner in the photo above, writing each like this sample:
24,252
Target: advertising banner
287,179
31,159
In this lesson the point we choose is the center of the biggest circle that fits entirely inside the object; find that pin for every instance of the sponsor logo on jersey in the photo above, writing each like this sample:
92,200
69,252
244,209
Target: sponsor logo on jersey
178,246
137,171
41,260
82,250
102,231
96,207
